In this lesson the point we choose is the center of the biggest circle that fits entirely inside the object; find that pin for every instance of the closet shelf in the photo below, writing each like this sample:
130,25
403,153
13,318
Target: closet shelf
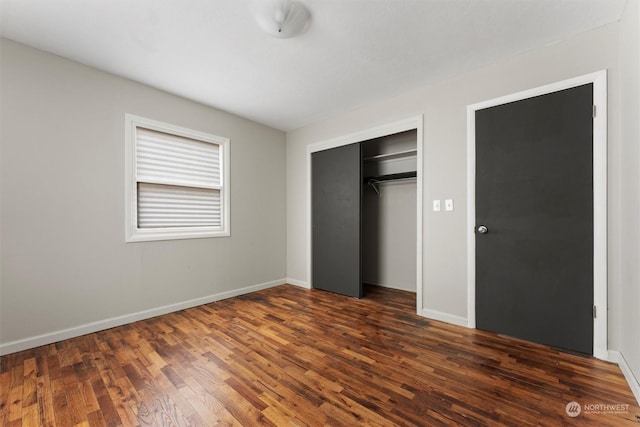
390,156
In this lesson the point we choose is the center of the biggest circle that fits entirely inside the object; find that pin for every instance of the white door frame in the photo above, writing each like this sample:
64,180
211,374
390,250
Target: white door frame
599,80
365,135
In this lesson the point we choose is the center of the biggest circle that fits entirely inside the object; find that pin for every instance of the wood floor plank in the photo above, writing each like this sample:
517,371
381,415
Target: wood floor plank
46,412
30,415
14,399
297,357
105,400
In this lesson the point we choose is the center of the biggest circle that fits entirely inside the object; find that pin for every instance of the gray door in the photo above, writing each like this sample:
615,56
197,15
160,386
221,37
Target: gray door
335,211
534,219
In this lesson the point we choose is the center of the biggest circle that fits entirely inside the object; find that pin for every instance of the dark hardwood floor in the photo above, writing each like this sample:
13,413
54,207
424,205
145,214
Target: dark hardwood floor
287,356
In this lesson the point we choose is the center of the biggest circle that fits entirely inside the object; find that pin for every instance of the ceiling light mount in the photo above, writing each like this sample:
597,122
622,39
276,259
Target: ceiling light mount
282,18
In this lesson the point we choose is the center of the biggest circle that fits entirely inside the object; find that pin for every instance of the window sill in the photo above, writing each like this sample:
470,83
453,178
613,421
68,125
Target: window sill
145,235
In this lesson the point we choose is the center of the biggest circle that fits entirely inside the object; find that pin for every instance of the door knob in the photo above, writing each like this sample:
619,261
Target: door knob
482,229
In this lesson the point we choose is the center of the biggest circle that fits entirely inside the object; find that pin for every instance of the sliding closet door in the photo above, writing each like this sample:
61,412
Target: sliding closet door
335,209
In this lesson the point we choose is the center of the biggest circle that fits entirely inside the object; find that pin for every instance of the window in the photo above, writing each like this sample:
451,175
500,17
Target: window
177,182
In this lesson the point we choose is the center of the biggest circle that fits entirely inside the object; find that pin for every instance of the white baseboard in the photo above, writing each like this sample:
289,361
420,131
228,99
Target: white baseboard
634,384
44,339
297,282
444,317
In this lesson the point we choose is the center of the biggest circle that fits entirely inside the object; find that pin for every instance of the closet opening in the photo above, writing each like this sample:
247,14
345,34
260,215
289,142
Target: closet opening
364,220
389,199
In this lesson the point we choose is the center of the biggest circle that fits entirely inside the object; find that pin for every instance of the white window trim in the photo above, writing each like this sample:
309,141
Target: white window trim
135,234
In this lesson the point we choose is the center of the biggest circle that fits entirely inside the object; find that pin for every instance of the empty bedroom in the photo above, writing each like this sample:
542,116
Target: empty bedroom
319,212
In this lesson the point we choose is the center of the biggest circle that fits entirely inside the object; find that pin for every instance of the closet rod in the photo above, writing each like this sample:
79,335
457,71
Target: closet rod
386,181
391,176
374,182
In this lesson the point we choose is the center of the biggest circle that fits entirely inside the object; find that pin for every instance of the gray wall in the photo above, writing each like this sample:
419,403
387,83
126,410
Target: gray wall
389,235
629,172
445,170
65,263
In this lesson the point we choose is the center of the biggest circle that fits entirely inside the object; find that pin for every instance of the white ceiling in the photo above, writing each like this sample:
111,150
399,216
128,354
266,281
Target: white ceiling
355,51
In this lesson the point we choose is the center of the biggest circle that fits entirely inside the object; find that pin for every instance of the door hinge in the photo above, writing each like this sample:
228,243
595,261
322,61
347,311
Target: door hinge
594,311
594,112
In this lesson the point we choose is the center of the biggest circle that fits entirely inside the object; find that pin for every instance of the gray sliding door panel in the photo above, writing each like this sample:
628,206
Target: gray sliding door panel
534,194
336,211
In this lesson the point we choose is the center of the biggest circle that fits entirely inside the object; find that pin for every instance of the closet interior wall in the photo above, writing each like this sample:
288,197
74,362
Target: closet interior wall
389,211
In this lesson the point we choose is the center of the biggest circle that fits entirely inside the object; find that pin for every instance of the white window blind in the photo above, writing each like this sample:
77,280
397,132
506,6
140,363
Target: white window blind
171,206
178,182
171,159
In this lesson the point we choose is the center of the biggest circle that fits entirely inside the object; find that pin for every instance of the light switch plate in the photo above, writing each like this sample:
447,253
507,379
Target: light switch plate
436,205
448,205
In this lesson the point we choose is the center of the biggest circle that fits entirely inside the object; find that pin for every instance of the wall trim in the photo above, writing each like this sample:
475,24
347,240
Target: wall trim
599,80
634,384
300,283
444,317
76,331
417,123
